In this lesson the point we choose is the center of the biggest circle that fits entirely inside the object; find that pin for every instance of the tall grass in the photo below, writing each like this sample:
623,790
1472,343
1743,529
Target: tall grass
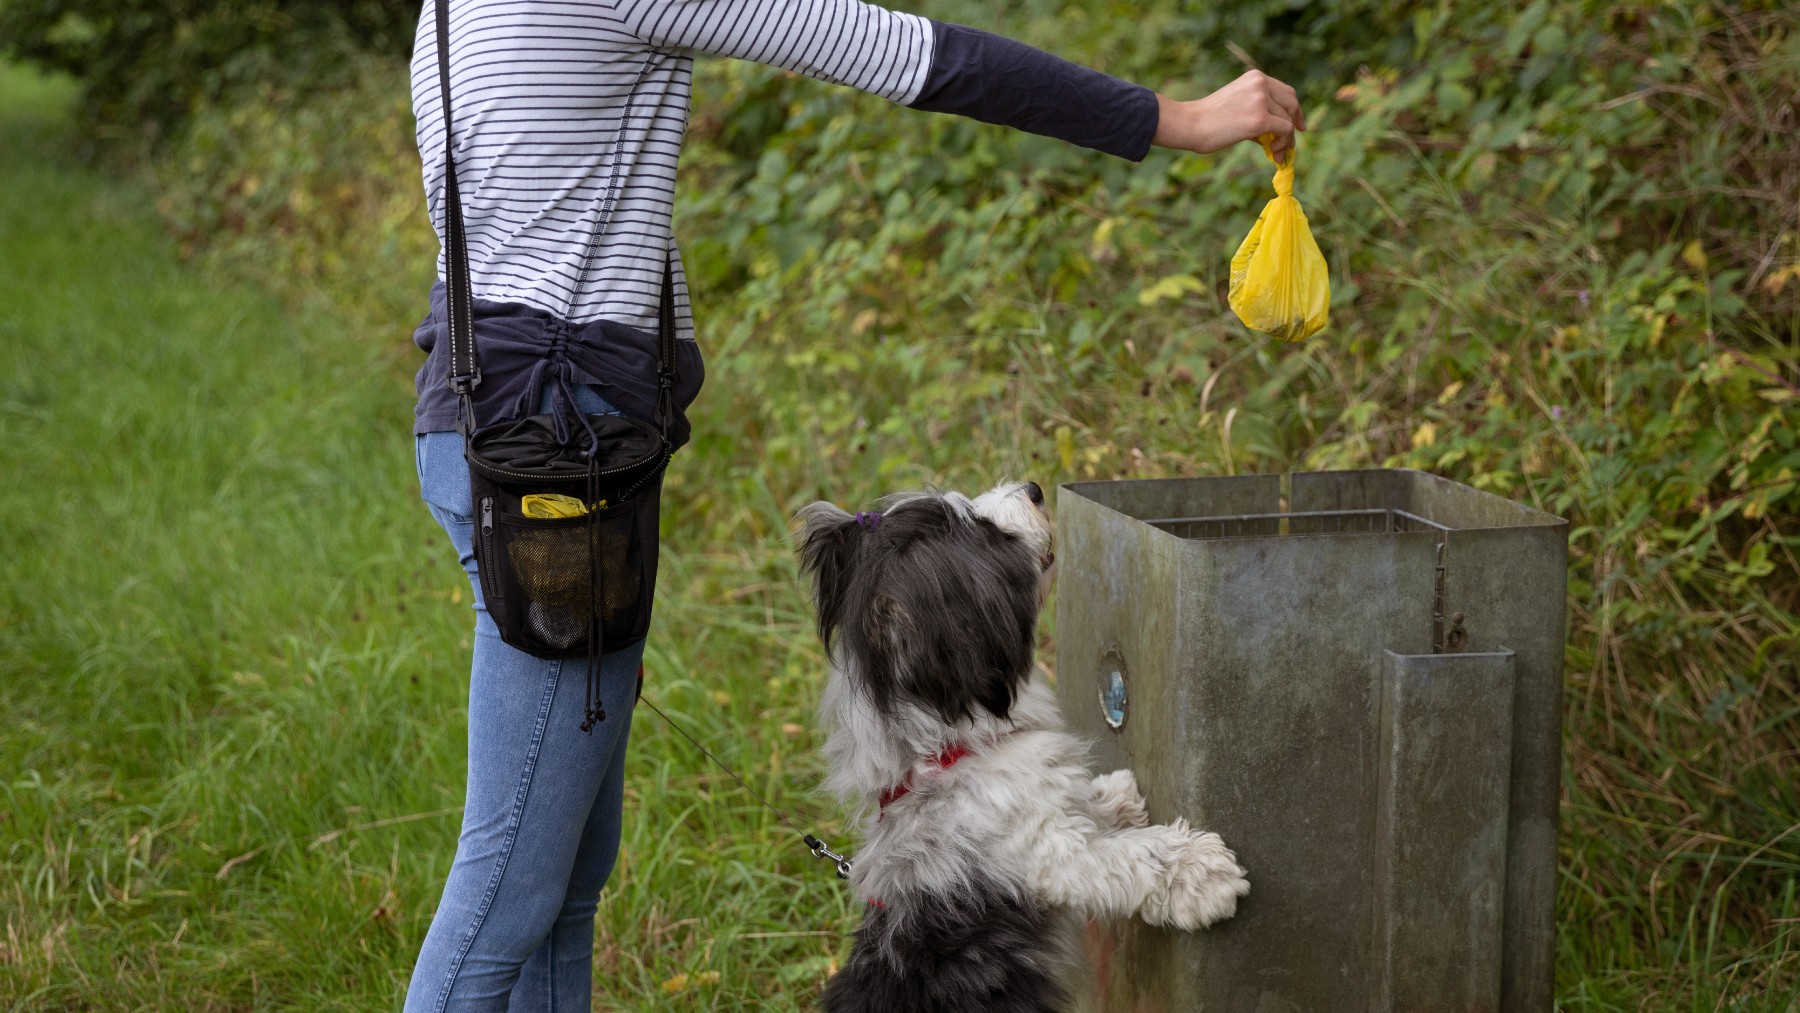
1558,236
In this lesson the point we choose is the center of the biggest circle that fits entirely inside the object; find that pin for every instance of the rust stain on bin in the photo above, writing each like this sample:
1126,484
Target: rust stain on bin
1262,620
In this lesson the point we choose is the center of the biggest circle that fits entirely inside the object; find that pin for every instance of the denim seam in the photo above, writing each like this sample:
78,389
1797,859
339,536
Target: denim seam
512,834
550,969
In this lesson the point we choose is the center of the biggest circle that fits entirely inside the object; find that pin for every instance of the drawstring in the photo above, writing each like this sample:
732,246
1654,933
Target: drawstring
555,361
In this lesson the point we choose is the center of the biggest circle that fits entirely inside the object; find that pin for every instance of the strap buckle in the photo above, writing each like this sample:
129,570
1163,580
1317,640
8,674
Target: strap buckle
465,383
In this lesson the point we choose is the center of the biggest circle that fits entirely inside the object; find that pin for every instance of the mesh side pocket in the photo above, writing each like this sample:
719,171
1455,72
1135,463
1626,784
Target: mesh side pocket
546,580
556,576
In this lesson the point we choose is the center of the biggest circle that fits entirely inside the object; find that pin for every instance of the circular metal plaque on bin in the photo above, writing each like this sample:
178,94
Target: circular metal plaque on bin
1113,700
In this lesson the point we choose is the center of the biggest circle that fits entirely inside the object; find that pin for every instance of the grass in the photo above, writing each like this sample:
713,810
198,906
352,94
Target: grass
233,644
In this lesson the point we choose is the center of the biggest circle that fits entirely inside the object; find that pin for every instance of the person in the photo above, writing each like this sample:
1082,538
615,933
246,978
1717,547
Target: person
569,118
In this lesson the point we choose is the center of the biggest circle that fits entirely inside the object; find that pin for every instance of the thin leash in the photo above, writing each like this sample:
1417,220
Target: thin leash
818,848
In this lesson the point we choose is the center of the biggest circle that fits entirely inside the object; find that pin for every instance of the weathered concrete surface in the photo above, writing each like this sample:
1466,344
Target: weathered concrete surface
1254,651
1440,831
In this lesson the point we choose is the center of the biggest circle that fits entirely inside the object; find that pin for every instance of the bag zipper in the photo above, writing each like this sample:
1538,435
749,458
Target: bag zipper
490,582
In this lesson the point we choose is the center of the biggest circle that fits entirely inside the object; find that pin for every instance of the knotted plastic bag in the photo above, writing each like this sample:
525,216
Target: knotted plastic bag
1278,281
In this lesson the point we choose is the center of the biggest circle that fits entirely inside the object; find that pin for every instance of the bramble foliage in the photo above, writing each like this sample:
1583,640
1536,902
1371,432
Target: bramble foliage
1565,249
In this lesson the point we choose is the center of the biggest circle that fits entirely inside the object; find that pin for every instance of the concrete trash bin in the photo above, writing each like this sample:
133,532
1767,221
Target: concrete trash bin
1355,678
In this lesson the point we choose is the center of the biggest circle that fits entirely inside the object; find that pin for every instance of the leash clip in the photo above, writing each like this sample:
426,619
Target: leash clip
822,850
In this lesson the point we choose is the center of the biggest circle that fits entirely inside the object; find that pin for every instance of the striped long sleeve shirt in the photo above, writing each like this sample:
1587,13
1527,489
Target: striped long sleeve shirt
569,118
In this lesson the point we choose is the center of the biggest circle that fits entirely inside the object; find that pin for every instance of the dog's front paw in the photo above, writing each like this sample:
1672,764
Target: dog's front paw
1200,887
1117,801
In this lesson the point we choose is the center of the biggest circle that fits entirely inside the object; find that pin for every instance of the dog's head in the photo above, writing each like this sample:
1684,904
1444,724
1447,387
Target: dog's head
932,600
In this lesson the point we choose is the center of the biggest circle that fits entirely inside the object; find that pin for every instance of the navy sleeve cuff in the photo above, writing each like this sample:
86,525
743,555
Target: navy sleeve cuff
996,80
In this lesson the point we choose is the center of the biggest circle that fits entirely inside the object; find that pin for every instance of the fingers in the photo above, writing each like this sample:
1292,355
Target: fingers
1283,129
1279,98
1280,113
1289,112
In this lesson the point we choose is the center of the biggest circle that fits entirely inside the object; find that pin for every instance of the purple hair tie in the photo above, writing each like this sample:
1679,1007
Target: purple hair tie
868,520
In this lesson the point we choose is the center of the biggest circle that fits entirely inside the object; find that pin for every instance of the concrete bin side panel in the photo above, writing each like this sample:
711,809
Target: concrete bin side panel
1511,588
1281,650
1437,499
1110,613
1440,851
1372,489
1458,506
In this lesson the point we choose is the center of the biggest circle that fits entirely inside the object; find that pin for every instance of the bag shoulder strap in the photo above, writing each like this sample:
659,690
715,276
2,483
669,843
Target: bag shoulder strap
665,351
465,371
465,374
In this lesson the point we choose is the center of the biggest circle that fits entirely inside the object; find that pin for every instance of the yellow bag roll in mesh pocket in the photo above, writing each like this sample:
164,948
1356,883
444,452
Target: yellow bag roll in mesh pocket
1278,280
550,505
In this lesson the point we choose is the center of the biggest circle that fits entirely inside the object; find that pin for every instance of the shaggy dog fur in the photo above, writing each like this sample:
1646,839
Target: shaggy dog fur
987,841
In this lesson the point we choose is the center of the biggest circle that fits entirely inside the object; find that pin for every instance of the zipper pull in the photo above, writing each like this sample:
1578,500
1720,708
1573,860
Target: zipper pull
487,514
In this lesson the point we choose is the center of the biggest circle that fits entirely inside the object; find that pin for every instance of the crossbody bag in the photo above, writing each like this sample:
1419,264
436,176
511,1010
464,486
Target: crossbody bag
566,510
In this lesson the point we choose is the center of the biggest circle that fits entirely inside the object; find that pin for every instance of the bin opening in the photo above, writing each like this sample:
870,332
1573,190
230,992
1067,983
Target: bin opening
1447,633
1305,522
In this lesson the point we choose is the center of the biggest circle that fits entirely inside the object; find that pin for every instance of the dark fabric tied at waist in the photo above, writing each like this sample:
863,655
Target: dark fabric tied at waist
521,348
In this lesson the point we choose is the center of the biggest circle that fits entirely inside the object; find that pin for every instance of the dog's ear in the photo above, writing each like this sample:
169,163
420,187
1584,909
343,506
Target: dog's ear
828,545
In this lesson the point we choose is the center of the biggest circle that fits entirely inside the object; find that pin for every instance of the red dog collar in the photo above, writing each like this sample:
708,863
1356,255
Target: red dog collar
944,760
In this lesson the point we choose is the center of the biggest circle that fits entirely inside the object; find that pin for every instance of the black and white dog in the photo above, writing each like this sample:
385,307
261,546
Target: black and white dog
986,838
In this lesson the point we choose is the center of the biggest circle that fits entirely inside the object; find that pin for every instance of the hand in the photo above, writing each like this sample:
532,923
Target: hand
1249,107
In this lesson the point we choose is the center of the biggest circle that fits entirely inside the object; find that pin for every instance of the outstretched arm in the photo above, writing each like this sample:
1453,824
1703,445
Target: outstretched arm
950,68
997,80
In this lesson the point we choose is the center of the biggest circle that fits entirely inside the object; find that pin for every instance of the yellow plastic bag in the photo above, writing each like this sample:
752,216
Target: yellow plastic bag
1278,280
549,506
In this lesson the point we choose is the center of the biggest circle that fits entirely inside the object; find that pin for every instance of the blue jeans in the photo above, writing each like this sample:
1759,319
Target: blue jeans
515,927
